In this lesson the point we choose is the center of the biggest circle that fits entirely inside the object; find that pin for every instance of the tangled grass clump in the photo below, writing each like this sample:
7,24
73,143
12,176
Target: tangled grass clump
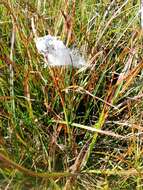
68,128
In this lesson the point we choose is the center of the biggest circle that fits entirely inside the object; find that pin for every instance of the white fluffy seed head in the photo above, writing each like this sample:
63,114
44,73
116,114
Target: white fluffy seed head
57,54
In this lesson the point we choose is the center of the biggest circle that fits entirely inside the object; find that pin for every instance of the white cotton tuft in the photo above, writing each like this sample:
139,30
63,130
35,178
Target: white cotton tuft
57,54
76,58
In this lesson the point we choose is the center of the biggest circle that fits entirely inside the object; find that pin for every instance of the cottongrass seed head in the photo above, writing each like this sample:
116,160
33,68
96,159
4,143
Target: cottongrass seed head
57,54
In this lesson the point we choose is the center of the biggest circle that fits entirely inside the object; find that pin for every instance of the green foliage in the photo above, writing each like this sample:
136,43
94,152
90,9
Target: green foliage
63,128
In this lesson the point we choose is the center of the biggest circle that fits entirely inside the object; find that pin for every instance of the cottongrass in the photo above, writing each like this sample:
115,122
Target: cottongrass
57,54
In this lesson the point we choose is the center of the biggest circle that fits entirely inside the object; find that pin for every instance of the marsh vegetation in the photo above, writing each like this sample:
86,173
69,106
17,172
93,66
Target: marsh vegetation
64,127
